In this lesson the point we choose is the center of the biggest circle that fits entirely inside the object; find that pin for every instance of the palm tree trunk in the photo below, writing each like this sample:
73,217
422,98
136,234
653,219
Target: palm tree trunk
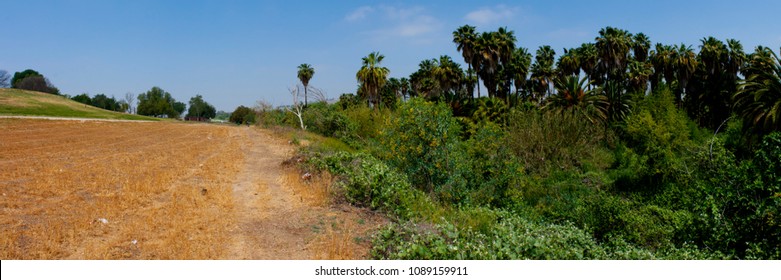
478,86
305,103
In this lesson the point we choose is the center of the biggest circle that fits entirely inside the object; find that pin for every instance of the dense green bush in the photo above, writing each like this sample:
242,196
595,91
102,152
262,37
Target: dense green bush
243,115
422,141
329,120
369,182
510,237
492,168
513,237
549,141
658,137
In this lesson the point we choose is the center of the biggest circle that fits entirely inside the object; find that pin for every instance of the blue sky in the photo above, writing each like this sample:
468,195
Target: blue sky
238,52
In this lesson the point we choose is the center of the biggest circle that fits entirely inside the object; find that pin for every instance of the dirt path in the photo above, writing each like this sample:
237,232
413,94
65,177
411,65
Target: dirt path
272,221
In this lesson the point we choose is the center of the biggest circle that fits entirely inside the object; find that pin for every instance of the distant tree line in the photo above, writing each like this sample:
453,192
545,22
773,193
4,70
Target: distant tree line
102,101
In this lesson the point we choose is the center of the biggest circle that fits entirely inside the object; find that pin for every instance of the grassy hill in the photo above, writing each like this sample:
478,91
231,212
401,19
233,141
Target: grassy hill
16,102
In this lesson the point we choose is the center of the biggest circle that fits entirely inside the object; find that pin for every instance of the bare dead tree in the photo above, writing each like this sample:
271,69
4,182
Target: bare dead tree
319,95
130,98
298,107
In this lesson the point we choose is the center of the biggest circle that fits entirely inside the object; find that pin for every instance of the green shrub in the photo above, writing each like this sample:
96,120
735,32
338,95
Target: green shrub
548,141
492,169
330,121
510,237
422,141
369,182
658,138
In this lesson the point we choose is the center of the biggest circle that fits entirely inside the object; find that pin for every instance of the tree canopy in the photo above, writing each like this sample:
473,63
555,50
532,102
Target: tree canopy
32,80
201,109
159,103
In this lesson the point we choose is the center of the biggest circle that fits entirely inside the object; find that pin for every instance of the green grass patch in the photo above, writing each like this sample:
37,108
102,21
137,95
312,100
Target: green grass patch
14,102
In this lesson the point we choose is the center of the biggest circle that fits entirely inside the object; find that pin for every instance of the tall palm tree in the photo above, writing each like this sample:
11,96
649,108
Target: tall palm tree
588,58
662,60
505,48
569,63
372,77
405,86
394,85
542,71
519,68
448,75
737,58
469,83
758,100
712,55
613,46
638,76
709,93
305,73
487,57
640,46
465,38
685,64
423,81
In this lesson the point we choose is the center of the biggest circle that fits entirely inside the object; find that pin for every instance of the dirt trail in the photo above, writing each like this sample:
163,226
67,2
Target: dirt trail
272,221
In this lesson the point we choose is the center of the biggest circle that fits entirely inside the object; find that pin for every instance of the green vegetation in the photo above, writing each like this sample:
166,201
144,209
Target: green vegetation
102,101
200,109
32,80
243,115
616,150
29,103
158,103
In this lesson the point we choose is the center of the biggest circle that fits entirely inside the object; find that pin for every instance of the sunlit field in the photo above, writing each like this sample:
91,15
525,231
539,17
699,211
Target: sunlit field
103,190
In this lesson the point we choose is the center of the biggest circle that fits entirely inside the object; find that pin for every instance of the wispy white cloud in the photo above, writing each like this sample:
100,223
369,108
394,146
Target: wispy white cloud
489,15
359,13
392,22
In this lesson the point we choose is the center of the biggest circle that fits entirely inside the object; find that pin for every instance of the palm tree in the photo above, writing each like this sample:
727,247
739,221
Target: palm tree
487,57
638,76
662,61
708,95
405,86
305,73
588,58
737,58
613,46
465,38
572,94
394,85
423,81
469,83
568,63
758,100
685,64
640,46
542,71
505,48
372,77
448,74
519,68
618,103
